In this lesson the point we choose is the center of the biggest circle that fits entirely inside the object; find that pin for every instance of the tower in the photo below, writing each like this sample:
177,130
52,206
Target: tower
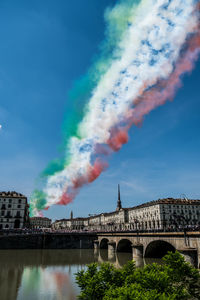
119,204
71,215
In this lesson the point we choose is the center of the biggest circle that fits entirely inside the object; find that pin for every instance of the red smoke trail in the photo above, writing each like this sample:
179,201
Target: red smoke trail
79,182
46,208
156,96
166,89
146,102
92,173
118,137
67,197
149,100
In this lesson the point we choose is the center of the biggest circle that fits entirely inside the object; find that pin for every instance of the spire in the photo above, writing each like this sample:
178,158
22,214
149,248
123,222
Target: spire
71,215
119,193
119,204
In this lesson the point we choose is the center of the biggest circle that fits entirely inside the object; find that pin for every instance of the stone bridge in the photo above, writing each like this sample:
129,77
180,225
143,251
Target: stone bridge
154,245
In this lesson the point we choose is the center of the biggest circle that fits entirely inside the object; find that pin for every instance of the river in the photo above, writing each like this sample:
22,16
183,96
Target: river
48,274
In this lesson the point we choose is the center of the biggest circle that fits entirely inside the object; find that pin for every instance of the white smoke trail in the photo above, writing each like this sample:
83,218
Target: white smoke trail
149,51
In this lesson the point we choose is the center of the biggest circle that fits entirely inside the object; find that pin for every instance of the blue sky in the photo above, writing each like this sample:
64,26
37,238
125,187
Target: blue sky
45,46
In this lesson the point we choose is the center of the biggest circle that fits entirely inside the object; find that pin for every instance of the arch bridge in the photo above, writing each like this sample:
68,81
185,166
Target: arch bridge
154,245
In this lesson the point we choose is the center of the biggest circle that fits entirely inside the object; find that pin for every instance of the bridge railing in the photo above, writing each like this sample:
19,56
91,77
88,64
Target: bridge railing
90,231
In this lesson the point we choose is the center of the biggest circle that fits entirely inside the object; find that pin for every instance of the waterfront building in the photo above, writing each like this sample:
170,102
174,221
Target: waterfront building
162,214
14,210
40,222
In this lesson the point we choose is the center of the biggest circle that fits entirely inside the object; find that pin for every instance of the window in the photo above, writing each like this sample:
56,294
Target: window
20,200
2,212
18,206
9,205
8,214
10,200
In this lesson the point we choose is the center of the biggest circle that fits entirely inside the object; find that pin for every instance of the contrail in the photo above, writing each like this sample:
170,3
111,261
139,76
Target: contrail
149,45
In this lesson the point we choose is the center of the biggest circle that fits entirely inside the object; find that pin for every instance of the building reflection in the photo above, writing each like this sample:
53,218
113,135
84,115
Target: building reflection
43,274
10,281
37,272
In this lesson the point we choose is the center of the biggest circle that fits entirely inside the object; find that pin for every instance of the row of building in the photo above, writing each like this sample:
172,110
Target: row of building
161,214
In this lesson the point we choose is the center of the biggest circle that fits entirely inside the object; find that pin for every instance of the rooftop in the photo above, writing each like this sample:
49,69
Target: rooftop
11,194
168,201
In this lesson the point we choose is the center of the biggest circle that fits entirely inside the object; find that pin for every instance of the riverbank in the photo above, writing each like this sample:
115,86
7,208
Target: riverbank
48,241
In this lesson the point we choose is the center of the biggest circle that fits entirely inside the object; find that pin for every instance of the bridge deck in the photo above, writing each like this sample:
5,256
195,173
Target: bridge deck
150,234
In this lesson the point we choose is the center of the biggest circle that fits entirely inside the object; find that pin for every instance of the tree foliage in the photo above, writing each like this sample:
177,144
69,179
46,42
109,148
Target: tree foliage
174,280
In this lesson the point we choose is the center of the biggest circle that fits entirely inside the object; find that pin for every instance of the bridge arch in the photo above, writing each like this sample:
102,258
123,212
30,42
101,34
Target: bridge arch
124,245
104,243
158,249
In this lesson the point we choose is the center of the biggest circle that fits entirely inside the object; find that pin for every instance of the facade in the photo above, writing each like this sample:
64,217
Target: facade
14,210
162,214
40,222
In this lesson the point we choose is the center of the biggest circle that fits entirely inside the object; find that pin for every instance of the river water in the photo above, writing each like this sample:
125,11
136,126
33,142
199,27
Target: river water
48,274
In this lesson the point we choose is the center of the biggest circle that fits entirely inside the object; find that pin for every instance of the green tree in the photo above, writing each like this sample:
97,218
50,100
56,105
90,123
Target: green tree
182,274
135,291
175,280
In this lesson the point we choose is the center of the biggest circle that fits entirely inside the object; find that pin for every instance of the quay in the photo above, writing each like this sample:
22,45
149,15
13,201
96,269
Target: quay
67,240
140,244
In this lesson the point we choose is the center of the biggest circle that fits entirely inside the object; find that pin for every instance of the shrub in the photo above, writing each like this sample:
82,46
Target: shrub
175,280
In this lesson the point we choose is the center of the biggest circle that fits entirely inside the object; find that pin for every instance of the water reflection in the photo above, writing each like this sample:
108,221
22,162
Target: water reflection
148,261
48,274
10,280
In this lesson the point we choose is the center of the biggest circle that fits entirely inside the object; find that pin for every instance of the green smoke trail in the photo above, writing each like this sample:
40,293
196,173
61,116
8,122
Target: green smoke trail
37,201
117,20
54,166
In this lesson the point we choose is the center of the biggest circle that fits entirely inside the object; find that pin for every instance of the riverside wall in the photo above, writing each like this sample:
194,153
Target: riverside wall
48,241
